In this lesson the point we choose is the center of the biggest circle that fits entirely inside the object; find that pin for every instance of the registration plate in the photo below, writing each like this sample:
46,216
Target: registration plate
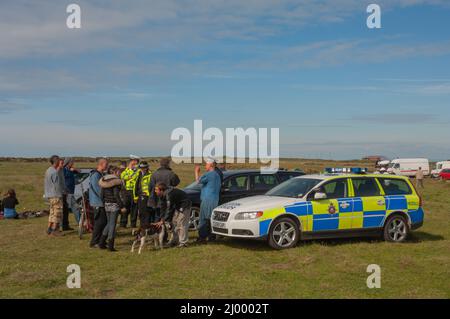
218,224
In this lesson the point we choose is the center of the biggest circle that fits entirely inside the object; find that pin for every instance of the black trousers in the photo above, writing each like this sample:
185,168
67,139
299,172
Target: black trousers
132,210
144,212
99,224
155,215
65,214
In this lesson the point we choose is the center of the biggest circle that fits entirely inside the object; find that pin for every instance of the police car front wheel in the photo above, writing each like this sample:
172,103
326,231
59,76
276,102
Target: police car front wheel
396,229
284,233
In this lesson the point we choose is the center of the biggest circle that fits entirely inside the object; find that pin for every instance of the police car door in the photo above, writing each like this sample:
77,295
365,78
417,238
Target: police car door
234,187
369,205
335,211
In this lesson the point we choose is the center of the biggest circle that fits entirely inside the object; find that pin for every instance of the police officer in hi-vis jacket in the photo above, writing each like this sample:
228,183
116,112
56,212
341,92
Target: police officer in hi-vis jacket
129,177
142,193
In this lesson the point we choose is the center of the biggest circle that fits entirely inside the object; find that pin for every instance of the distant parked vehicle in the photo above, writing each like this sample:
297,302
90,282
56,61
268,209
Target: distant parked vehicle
445,174
239,184
409,166
439,167
381,167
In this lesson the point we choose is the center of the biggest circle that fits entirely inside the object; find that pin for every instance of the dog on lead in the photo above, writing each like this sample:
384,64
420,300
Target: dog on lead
153,233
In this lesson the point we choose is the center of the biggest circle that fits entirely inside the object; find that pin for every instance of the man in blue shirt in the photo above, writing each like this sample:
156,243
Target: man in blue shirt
96,202
209,196
69,202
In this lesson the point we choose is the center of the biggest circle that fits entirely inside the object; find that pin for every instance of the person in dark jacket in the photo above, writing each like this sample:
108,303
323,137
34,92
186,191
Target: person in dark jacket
175,208
69,202
8,205
165,175
111,185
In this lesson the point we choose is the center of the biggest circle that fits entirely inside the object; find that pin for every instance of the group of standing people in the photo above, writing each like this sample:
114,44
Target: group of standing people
133,192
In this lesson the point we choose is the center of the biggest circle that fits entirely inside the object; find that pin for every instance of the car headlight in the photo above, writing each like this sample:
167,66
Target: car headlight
248,215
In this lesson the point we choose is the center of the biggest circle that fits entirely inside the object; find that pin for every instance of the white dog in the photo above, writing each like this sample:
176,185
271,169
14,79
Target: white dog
152,233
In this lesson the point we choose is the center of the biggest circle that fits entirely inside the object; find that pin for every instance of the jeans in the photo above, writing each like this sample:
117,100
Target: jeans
9,213
204,225
73,206
65,213
99,224
112,211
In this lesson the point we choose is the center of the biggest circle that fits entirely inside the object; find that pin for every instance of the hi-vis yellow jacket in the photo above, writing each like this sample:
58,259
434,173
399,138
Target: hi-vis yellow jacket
130,176
142,185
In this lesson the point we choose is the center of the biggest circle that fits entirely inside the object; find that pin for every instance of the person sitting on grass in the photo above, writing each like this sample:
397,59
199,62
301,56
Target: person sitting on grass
9,204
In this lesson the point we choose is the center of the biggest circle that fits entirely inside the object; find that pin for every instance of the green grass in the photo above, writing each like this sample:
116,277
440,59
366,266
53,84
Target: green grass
34,266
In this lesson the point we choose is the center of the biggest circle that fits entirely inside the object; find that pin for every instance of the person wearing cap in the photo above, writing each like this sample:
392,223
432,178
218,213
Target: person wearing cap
129,177
69,202
142,193
209,196
164,174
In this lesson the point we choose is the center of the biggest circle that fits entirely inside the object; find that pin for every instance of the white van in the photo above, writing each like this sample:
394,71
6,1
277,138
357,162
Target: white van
439,167
409,166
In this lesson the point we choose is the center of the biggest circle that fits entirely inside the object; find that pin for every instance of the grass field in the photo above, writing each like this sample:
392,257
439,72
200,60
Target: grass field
34,266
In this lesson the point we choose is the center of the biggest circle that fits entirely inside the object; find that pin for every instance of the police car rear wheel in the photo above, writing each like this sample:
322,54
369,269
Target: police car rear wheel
284,233
396,229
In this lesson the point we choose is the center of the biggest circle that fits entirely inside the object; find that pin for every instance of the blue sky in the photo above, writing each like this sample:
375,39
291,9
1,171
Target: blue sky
136,70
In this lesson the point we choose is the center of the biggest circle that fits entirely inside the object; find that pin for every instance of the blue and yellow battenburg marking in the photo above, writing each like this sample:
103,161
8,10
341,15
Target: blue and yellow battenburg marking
345,213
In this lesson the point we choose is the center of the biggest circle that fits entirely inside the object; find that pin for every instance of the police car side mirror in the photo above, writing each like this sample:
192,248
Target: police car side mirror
319,195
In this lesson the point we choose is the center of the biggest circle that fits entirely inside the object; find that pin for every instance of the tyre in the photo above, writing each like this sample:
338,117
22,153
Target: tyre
195,217
284,233
396,229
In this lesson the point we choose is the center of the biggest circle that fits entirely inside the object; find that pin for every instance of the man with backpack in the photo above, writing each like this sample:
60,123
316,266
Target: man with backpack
96,201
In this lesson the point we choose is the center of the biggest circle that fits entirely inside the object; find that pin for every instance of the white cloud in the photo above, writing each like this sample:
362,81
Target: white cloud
395,86
38,28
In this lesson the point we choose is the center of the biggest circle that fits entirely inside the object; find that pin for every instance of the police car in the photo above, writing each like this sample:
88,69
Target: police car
324,206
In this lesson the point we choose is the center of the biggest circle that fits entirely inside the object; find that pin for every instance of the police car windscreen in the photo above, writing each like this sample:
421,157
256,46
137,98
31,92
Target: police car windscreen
295,187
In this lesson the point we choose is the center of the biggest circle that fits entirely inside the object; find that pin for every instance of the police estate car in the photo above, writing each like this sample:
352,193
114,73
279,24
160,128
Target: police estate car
324,206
